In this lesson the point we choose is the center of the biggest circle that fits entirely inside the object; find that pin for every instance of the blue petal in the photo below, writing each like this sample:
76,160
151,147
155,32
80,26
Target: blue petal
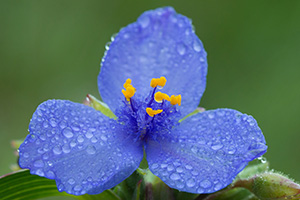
206,151
160,43
79,147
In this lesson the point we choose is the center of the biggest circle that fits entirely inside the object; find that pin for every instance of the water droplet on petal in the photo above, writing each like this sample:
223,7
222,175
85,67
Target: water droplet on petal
91,149
50,174
181,49
191,182
66,148
57,150
144,21
174,177
89,134
80,138
103,137
39,172
68,132
217,146
77,188
197,46
205,184
26,155
71,181
154,166
38,163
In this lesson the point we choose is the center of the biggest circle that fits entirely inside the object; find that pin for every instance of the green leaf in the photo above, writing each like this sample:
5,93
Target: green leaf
22,185
234,194
99,105
253,169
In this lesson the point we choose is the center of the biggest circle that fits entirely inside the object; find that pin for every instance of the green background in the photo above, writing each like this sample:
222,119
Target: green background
52,49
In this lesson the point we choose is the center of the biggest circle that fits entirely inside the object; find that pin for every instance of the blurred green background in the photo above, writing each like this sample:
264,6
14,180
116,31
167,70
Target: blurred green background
52,49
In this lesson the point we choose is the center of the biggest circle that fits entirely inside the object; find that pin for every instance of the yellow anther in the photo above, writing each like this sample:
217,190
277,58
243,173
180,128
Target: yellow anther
152,112
175,100
127,83
159,96
158,82
129,92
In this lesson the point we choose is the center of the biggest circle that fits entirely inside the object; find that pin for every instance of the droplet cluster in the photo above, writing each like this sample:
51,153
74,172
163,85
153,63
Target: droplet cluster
206,151
79,147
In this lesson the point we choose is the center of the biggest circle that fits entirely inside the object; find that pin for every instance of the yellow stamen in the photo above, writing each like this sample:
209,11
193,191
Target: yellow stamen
152,112
129,92
158,82
175,100
127,83
159,96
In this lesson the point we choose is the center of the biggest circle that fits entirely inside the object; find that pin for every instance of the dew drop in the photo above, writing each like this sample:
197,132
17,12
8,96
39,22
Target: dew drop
26,155
73,143
91,149
200,191
94,139
197,46
38,163
89,135
77,188
63,124
68,132
45,124
39,172
163,165
154,166
103,137
50,174
75,127
50,163
191,182
170,168
217,146
218,187
205,184
181,49
188,167
57,150
144,21
71,181
174,177
66,148
80,138
52,122
179,169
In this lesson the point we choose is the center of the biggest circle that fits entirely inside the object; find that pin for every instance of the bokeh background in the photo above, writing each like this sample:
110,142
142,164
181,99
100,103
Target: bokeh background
52,49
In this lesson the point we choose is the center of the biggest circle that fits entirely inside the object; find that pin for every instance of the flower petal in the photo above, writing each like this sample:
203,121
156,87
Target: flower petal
160,43
206,151
79,147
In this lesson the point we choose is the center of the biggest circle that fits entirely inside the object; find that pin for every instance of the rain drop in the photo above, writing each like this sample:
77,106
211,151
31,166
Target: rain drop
68,132
80,138
181,49
91,149
174,177
205,184
191,182
217,146
38,163
144,21
71,181
57,150
197,46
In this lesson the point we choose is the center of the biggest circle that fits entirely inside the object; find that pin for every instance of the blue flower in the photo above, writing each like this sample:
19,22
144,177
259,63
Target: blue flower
152,76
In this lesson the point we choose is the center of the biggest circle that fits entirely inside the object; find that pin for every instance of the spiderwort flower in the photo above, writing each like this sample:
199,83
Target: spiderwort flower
152,75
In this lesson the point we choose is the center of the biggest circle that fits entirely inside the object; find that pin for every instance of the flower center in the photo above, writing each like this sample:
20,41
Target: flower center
158,111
